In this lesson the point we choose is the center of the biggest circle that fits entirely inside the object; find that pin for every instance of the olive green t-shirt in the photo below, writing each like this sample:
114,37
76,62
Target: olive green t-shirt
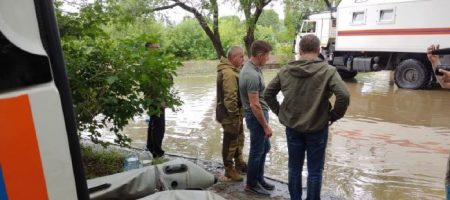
251,80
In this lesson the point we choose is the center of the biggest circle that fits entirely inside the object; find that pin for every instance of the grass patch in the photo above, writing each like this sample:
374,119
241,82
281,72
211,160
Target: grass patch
98,163
160,160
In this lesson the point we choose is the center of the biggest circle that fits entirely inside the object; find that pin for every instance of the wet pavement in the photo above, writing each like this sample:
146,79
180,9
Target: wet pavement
392,143
235,190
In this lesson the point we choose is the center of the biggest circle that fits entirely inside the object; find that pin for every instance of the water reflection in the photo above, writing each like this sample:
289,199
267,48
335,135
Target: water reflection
380,100
392,144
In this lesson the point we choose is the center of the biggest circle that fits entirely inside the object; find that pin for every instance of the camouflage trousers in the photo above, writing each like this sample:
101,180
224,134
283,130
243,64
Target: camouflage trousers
233,143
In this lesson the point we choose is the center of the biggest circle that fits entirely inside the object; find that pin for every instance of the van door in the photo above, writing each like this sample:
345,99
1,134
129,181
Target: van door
39,147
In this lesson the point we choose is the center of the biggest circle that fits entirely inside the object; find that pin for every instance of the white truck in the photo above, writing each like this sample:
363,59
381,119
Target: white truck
373,35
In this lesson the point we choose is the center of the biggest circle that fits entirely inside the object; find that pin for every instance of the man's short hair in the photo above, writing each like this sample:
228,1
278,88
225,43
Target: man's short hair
310,43
260,47
232,50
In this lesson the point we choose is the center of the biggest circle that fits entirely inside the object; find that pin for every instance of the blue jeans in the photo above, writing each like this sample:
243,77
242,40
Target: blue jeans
314,144
448,191
259,147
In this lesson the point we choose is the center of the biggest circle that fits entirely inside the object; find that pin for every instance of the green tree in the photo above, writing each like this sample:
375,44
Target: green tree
187,40
269,18
206,12
231,31
252,11
108,76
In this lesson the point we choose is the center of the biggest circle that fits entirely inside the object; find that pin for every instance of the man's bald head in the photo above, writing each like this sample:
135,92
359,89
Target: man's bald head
236,56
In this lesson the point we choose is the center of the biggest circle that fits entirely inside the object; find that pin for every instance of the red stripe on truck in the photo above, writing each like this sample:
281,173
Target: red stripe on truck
19,151
406,31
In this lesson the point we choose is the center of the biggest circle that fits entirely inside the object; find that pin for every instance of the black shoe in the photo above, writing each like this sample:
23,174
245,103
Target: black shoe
267,185
256,190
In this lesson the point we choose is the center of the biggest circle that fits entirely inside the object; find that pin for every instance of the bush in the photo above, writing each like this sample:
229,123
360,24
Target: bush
188,41
108,76
97,163
284,53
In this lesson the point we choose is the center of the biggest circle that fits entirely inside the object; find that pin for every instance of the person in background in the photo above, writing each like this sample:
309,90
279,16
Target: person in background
157,123
307,86
229,113
444,81
251,89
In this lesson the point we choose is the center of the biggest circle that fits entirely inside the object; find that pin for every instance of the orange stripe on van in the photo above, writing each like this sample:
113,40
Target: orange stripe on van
402,31
19,152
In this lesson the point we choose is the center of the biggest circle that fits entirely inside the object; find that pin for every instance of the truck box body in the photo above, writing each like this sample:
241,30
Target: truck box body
392,26
373,35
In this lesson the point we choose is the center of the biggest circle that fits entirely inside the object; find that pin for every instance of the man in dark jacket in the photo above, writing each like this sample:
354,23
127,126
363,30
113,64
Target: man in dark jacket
157,122
307,85
229,113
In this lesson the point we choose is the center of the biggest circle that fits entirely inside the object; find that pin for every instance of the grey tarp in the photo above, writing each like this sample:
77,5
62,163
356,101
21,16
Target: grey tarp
138,183
184,195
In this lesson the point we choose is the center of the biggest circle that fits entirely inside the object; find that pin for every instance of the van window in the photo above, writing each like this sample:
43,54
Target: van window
386,15
359,17
19,68
308,27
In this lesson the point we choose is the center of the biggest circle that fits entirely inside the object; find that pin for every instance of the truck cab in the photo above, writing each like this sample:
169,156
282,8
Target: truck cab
323,25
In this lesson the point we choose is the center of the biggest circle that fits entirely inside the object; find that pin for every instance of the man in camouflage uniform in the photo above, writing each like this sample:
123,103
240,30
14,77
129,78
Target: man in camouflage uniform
229,113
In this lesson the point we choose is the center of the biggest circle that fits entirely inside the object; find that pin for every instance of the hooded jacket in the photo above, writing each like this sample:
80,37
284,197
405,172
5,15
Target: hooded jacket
307,85
228,107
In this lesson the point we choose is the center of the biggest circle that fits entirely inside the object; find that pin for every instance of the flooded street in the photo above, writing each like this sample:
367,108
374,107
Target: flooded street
392,143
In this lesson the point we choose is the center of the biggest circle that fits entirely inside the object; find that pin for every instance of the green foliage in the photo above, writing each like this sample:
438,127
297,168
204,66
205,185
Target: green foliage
97,163
291,22
266,33
269,18
187,40
159,160
109,75
231,31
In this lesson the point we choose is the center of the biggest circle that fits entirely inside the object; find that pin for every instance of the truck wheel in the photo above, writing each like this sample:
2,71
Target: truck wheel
347,74
411,74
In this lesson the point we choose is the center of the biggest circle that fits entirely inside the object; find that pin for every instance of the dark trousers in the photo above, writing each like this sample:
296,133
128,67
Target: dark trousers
155,134
314,144
259,147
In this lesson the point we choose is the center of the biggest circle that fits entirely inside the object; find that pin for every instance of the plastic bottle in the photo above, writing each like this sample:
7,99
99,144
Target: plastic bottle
131,162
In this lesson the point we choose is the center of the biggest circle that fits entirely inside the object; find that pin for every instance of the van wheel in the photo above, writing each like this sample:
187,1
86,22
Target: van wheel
411,74
347,74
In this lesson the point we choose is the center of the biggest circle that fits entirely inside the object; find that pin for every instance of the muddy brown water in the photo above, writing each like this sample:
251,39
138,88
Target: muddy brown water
392,143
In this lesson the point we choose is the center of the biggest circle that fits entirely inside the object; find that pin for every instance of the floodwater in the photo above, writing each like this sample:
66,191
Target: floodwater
392,143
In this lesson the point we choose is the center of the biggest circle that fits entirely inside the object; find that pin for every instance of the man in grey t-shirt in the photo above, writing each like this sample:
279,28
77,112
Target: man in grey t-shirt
252,82
251,89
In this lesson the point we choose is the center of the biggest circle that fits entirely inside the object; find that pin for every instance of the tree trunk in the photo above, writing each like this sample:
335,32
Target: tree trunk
248,40
251,20
218,46
213,35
